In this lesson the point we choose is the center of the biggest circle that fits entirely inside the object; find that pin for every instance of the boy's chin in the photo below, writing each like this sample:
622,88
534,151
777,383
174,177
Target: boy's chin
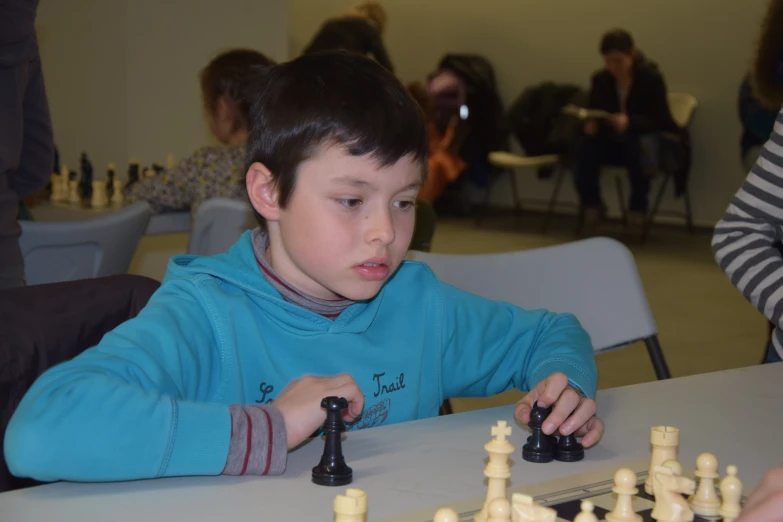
363,292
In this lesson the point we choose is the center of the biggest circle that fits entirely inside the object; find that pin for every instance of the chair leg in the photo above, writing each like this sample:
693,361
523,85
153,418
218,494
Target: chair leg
686,197
652,213
550,212
445,408
621,198
656,357
484,205
515,192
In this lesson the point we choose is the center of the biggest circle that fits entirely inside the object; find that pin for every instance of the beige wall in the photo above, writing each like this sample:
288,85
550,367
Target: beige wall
702,46
122,75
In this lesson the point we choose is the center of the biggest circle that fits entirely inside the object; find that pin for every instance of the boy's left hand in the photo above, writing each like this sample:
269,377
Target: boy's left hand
571,413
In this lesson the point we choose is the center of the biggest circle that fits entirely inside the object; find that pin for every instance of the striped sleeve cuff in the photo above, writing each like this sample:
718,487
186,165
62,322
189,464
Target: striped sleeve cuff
259,442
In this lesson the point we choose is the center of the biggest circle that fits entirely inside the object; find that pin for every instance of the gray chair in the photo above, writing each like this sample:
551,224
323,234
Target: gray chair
594,279
217,225
69,250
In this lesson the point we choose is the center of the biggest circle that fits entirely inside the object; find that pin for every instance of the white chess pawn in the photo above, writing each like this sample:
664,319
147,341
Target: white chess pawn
117,196
351,507
586,515
56,194
99,196
706,502
499,510
73,192
625,488
445,514
731,491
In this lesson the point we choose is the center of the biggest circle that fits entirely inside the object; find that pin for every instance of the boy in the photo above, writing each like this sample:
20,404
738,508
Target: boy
225,368
633,90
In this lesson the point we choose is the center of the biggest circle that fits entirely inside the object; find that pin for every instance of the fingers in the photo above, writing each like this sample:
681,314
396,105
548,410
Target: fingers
351,392
568,402
594,430
551,389
580,416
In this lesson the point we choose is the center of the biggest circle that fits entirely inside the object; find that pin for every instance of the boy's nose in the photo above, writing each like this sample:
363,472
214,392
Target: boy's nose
380,228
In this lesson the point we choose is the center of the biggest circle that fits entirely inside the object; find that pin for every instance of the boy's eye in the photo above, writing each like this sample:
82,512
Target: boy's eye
405,205
350,203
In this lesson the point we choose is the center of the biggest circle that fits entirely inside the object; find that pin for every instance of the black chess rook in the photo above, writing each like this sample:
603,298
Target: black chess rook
332,470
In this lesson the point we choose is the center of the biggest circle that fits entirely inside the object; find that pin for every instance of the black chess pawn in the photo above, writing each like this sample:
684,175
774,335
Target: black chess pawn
568,449
540,447
85,185
332,470
133,173
110,179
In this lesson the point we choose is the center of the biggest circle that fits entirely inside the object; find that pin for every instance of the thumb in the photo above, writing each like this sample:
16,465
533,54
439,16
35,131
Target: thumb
525,406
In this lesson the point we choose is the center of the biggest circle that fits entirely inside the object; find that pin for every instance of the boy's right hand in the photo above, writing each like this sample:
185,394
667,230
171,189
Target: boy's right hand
300,403
765,503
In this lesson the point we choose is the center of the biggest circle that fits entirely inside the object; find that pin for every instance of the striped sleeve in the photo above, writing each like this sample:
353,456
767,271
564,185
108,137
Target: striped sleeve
744,242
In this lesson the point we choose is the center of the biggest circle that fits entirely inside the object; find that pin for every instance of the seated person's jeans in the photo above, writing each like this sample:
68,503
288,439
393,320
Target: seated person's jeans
638,154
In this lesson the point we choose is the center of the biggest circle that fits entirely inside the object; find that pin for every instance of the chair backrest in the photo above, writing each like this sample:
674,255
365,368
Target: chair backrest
56,251
682,106
594,279
218,224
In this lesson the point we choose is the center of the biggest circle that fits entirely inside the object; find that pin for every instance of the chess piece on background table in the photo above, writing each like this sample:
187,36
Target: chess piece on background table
332,470
351,507
99,197
133,172
706,502
586,514
117,196
665,442
85,184
73,192
170,162
445,514
731,492
540,447
625,488
57,188
498,470
110,173
669,486
65,177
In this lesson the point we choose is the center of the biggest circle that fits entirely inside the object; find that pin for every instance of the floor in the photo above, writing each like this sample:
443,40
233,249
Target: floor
704,323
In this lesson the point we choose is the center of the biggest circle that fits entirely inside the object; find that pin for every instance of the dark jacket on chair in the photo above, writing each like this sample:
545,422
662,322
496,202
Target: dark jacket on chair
44,325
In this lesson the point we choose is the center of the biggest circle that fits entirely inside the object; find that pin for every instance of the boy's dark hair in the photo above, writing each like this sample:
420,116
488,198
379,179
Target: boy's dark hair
332,97
231,74
617,40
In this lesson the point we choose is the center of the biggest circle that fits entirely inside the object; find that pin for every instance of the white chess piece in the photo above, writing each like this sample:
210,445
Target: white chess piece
625,488
498,470
445,514
170,162
731,491
669,485
525,509
665,442
351,507
73,192
117,196
499,510
65,177
99,197
56,194
706,502
586,515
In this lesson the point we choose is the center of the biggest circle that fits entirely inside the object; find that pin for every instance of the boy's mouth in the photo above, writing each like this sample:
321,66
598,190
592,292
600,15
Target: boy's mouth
374,269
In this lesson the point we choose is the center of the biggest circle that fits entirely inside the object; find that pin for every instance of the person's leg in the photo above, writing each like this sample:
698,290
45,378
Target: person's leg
12,84
587,171
640,182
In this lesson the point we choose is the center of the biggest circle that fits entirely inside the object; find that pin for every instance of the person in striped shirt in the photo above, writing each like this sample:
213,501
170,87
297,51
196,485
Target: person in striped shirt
747,240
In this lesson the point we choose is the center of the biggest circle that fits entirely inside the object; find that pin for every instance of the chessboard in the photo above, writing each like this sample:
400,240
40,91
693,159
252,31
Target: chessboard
565,496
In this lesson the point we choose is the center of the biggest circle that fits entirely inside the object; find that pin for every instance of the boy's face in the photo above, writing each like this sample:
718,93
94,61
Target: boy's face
347,225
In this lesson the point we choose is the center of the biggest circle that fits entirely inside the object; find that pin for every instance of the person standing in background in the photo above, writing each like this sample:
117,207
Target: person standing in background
26,141
358,30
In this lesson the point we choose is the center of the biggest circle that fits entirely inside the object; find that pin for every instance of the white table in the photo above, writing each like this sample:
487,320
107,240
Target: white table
737,414
167,223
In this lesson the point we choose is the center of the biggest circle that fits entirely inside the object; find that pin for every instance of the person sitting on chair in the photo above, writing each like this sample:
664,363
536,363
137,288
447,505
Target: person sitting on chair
632,90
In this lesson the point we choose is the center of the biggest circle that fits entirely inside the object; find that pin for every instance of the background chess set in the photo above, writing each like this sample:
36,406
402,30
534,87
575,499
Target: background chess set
80,189
563,500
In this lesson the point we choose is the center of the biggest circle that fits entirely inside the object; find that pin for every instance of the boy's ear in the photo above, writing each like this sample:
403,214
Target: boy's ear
262,191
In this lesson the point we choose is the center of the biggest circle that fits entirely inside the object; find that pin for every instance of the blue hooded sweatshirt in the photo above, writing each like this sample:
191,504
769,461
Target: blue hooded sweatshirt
152,399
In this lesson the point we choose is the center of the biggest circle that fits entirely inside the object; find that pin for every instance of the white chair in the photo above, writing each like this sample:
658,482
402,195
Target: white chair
510,162
70,250
682,107
217,225
594,279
